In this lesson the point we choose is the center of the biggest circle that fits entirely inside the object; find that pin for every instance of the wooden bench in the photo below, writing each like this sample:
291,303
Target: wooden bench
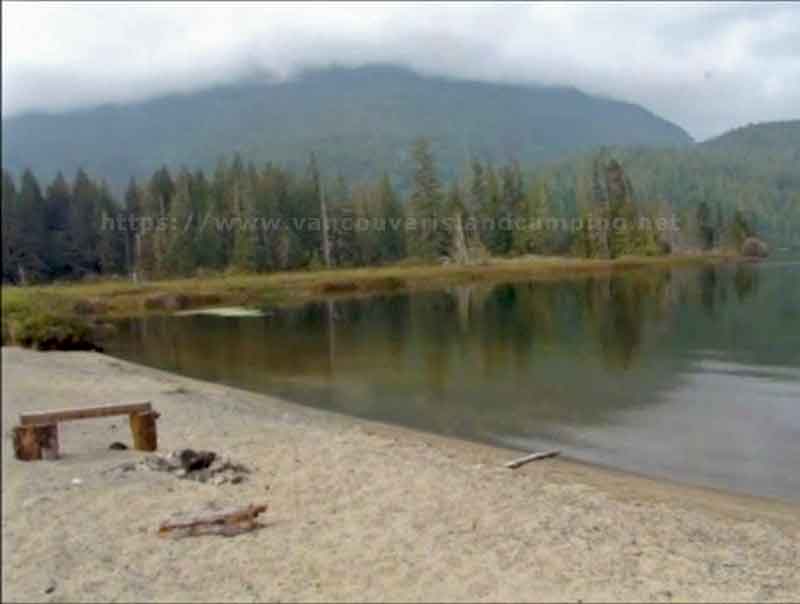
37,435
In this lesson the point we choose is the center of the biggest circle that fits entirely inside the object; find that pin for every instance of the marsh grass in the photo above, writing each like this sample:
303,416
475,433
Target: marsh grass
40,313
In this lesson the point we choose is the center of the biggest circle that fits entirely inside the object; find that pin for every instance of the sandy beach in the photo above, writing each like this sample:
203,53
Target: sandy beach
357,510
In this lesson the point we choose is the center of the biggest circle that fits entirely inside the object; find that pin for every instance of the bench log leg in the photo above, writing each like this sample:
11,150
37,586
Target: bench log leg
36,441
143,428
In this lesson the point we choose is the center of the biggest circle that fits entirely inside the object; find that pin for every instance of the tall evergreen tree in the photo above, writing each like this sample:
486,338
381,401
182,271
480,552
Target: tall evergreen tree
342,225
12,223
109,237
429,238
162,190
621,211
180,251
132,212
58,201
705,226
390,210
32,252
536,216
245,236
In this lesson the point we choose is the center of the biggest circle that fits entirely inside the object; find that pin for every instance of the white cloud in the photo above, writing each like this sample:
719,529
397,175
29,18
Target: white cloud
707,67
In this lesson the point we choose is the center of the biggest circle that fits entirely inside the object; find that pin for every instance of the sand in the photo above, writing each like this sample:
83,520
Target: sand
357,510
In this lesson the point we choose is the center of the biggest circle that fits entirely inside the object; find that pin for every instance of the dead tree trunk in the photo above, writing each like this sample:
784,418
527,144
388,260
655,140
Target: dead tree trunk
459,250
326,244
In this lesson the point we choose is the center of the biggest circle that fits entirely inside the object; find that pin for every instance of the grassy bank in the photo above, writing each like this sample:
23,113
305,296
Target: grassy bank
38,313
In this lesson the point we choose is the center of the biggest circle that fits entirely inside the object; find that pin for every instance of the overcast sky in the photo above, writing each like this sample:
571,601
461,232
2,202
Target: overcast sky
706,67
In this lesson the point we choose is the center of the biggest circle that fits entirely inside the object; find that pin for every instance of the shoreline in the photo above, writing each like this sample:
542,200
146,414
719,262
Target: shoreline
119,298
661,489
358,509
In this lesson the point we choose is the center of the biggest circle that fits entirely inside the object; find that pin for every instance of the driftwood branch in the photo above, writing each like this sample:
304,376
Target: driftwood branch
516,463
227,522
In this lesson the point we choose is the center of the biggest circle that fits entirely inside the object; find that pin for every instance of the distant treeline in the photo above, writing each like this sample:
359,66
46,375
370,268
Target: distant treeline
267,218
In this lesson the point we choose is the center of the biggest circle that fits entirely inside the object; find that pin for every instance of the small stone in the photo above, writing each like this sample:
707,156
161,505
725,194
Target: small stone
77,481
117,446
238,479
50,588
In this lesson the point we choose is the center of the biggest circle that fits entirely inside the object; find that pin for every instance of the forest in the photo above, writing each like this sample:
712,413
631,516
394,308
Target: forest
243,217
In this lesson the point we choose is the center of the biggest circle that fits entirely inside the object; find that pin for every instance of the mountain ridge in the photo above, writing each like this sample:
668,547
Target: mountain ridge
360,121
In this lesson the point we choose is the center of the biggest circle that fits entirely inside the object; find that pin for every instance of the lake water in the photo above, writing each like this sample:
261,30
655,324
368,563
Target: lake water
691,374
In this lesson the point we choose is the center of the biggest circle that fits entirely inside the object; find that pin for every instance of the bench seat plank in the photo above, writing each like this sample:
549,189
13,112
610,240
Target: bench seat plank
66,415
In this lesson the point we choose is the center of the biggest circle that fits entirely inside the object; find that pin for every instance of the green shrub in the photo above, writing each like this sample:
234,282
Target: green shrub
51,332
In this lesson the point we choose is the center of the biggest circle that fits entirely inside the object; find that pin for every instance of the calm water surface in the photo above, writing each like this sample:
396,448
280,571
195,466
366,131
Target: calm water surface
690,374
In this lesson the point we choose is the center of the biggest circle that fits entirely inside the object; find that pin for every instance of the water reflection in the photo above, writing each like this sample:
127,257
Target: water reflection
745,281
571,362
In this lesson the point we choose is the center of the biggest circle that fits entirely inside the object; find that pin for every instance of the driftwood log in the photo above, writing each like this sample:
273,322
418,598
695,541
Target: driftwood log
227,522
36,441
516,463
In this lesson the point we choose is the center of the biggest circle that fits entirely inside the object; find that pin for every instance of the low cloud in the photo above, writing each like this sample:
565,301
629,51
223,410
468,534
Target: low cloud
708,67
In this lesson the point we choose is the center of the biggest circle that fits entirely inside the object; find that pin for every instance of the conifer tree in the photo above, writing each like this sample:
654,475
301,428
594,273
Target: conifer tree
392,242
180,251
429,238
146,248
705,227
342,224
480,212
496,239
213,237
621,212
511,207
583,244
109,238
12,223
245,236
132,212
32,250
536,215
58,200
162,190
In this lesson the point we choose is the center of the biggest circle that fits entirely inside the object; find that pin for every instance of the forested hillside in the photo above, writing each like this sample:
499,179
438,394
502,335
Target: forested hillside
242,216
349,182
360,122
771,139
753,170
